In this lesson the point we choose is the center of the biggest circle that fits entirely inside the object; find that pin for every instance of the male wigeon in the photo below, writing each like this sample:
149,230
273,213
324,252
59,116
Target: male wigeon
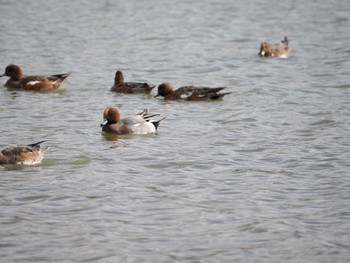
140,123
28,155
190,93
39,83
130,87
280,49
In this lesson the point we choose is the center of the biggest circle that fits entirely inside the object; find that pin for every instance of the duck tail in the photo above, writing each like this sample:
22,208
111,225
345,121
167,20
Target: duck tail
219,96
218,89
285,41
156,123
37,144
63,76
146,115
149,87
44,149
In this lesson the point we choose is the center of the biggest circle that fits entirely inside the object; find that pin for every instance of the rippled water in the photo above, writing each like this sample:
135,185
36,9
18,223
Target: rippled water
261,176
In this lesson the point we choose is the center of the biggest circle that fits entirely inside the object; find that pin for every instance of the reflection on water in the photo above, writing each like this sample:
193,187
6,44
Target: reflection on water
260,175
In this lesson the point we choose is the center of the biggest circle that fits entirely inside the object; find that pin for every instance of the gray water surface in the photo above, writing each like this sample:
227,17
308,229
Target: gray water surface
261,176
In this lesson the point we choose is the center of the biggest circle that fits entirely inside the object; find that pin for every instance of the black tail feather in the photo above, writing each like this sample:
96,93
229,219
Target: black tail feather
156,123
62,76
285,41
218,96
37,144
146,115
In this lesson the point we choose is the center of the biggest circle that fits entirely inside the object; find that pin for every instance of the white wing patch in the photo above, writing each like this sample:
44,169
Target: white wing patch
32,83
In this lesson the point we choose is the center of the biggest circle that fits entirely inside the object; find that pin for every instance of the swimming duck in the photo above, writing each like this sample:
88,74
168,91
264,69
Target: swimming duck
189,93
130,87
28,155
140,123
280,49
39,83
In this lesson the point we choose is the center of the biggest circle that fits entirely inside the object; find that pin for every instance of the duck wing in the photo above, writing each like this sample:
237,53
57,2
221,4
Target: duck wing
60,77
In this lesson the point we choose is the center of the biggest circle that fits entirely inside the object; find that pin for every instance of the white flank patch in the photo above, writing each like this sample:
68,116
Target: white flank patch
33,160
285,55
33,82
30,162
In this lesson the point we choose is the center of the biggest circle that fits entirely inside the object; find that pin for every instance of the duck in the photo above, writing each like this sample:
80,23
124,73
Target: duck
140,123
280,49
37,83
189,93
30,154
121,86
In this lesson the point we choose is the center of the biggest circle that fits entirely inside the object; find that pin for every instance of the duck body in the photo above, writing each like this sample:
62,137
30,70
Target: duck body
280,49
27,155
140,123
190,93
38,83
120,86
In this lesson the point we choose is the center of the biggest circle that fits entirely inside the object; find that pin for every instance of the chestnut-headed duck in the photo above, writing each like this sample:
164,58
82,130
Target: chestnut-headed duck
28,155
190,93
38,83
280,49
140,123
121,86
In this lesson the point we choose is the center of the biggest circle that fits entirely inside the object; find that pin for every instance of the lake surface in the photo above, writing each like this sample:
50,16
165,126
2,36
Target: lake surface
261,176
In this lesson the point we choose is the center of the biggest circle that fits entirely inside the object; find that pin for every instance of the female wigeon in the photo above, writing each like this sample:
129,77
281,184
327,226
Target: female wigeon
280,49
140,123
129,87
189,93
39,83
28,155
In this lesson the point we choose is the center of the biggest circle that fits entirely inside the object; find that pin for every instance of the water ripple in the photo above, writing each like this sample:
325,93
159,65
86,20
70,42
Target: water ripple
260,176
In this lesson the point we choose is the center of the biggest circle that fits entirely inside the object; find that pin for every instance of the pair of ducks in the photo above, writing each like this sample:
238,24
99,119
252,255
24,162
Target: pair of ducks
140,123
33,154
166,90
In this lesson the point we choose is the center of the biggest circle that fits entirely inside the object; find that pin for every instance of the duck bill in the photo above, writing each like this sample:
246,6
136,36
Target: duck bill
3,75
103,123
